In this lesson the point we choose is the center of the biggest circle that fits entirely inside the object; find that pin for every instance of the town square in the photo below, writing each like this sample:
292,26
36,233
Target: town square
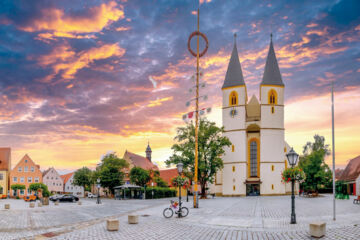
186,119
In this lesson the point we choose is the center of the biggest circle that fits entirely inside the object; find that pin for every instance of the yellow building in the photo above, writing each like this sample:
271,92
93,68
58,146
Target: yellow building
5,166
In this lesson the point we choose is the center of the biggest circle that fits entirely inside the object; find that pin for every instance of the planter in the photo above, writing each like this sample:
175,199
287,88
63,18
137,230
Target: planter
32,205
7,206
45,201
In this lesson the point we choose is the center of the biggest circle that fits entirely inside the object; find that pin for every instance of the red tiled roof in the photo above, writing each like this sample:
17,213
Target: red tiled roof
5,158
338,172
168,174
139,161
66,177
352,170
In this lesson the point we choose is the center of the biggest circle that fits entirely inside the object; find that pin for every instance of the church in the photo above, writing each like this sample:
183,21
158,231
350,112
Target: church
257,157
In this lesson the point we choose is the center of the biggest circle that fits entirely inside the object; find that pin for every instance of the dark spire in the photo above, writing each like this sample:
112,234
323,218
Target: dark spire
234,76
148,152
272,74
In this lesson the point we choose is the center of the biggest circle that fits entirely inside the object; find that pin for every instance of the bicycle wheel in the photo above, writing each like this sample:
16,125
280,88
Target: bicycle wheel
184,211
168,212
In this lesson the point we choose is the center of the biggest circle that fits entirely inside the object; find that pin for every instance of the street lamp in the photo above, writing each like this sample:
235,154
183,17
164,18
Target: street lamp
292,157
98,187
152,188
180,169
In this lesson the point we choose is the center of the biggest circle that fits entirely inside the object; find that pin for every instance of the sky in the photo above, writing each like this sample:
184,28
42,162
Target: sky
76,76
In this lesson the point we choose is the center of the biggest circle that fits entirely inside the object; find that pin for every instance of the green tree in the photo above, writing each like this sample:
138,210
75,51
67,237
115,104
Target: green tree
111,172
318,173
160,182
211,148
139,176
17,187
83,178
36,186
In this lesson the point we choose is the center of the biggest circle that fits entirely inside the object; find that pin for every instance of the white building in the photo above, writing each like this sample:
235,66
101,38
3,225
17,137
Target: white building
69,187
53,181
257,157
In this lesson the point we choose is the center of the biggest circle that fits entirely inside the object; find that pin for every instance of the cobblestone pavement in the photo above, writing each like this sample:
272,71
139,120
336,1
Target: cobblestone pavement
219,218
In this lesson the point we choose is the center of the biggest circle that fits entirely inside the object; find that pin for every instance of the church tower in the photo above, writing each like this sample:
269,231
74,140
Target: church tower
148,152
233,116
272,142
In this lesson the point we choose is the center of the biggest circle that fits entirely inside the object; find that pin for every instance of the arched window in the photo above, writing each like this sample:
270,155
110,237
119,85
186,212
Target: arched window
233,99
272,95
253,158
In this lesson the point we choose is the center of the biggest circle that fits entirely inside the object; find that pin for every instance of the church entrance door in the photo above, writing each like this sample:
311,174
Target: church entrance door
252,189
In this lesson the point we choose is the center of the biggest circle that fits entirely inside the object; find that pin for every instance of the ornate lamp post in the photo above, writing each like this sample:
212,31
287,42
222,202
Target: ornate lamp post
180,169
98,195
292,157
152,187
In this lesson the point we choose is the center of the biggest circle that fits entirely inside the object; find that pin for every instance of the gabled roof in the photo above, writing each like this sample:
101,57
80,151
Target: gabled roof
234,76
26,157
272,74
48,170
139,161
352,170
5,159
168,174
66,177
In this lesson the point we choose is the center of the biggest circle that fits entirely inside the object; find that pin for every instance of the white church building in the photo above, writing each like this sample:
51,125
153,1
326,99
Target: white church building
257,157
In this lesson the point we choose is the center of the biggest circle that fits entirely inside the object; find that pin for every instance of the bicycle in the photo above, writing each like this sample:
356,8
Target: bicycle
169,212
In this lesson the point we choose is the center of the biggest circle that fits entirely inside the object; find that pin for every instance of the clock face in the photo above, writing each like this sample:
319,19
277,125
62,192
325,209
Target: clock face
233,113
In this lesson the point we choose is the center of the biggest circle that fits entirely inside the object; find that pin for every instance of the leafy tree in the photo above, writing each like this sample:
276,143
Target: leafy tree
111,172
160,182
17,187
211,147
139,176
36,186
318,173
83,178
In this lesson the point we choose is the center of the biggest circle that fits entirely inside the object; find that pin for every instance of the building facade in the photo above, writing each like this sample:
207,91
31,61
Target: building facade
5,167
53,181
257,157
69,187
25,172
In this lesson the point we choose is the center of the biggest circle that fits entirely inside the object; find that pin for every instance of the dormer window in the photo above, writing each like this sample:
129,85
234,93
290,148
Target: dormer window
233,99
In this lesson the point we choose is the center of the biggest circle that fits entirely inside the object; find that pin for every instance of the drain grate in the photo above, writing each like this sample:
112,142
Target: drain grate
50,234
145,215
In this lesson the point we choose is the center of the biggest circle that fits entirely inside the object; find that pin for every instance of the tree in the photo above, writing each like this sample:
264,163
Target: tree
139,176
83,178
36,186
318,173
160,182
111,172
211,148
17,187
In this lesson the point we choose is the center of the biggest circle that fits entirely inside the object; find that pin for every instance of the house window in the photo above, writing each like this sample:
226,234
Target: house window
1,176
26,160
1,190
36,180
272,97
19,169
22,192
26,169
272,167
233,168
234,187
32,169
233,98
29,191
233,148
272,186
253,158
15,179
29,179
22,179
68,187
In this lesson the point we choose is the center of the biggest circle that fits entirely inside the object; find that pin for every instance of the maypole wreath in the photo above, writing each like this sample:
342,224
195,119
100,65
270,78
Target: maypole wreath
196,33
295,173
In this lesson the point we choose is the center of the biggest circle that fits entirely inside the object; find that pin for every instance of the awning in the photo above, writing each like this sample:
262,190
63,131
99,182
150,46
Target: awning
253,181
127,186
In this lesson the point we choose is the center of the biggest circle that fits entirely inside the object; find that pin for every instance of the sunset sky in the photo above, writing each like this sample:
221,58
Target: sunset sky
75,75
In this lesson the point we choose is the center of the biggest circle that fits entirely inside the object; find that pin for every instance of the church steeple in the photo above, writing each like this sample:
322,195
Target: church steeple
148,152
272,74
234,76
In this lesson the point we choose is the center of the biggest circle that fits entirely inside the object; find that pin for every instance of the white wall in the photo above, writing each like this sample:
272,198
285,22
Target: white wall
75,190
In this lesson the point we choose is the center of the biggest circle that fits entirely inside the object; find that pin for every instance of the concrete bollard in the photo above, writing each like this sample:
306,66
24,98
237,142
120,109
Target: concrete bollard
317,229
112,225
39,204
7,206
56,203
133,219
79,203
32,205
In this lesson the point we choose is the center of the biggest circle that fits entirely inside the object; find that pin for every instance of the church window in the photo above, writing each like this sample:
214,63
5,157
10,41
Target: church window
272,167
234,187
253,158
233,168
285,150
233,99
272,186
286,164
272,110
272,97
233,148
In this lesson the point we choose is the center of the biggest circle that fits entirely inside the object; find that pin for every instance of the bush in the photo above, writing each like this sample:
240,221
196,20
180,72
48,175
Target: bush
159,192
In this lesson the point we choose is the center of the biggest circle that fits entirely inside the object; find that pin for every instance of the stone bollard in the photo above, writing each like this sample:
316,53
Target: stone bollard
133,219
39,204
317,229
7,206
79,203
32,205
112,225
56,203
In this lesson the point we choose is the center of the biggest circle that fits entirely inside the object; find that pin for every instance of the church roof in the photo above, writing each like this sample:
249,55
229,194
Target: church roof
168,174
352,170
148,149
139,161
272,74
253,108
234,76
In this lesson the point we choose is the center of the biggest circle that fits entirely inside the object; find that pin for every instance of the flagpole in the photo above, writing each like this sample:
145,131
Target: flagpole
333,148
